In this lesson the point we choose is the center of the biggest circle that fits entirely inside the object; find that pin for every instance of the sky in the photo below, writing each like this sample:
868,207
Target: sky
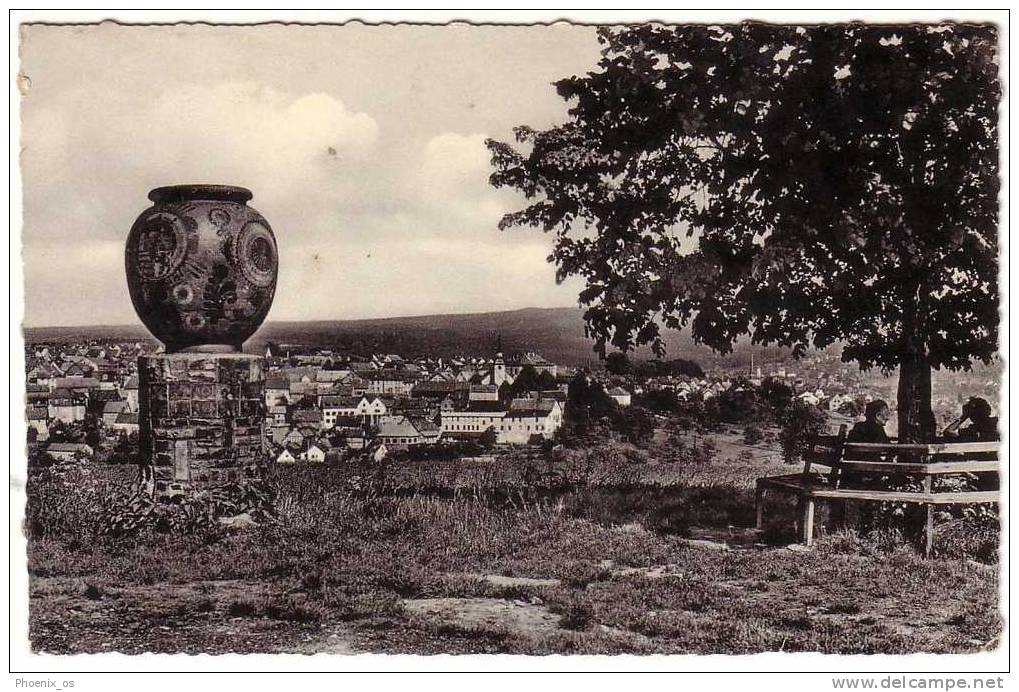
364,147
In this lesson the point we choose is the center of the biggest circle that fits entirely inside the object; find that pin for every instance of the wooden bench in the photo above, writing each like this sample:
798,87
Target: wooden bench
923,461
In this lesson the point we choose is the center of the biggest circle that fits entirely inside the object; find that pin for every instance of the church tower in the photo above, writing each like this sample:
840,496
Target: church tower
499,365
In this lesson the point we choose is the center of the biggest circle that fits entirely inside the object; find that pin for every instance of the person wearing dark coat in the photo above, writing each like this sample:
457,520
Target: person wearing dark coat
872,428
983,426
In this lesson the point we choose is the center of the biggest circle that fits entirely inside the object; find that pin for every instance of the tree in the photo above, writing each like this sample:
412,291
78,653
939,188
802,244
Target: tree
778,394
505,391
126,450
635,424
618,363
803,185
546,381
526,381
488,438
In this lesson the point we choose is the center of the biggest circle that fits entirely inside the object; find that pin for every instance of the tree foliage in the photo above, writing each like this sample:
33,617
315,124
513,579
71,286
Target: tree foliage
803,185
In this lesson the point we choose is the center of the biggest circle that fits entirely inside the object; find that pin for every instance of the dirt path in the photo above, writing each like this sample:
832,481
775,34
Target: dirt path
494,614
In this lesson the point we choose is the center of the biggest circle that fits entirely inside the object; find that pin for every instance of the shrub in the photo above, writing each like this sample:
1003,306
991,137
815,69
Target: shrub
576,614
68,501
243,609
974,537
634,424
294,608
752,434
801,424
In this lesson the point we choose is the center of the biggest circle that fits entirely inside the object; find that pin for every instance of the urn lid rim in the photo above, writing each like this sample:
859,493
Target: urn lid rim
220,193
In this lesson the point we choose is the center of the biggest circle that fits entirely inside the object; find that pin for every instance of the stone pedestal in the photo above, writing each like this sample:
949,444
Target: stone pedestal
201,418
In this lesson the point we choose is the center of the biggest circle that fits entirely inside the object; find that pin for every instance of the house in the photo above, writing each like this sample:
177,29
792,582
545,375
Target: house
401,431
357,438
352,407
127,422
300,374
37,394
620,396
78,369
472,421
337,407
391,382
313,453
306,417
286,456
277,391
38,419
809,398
442,375
466,374
277,415
483,392
43,373
301,389
112,409
516,364
277,433
130,392
529,417
66,406
294,438
331,376
69,451
429,431
438,389
77,384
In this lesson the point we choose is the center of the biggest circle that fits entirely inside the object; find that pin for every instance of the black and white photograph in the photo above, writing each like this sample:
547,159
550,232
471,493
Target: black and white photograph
511,340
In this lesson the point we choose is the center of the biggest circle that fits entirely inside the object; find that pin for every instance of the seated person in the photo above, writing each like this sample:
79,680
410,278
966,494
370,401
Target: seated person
872,428
983,426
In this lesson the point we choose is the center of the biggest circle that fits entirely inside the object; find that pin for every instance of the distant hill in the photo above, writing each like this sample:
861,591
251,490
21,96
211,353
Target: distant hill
556,333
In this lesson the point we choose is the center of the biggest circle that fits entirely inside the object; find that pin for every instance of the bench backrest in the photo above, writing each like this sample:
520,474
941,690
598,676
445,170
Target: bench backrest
936,458
827,451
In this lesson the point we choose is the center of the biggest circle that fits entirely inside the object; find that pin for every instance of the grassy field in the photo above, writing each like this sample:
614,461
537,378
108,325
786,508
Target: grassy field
477,558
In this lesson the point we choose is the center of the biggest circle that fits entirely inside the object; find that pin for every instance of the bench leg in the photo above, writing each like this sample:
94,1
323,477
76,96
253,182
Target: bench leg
759,507
807,524
928,531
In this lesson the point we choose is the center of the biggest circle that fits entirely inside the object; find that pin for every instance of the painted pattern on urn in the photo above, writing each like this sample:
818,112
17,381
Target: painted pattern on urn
201,267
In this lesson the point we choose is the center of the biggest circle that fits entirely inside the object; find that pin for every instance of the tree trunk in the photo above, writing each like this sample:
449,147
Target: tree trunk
916,419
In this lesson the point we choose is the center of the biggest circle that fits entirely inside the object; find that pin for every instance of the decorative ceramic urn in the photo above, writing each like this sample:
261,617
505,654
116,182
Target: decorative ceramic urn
201,267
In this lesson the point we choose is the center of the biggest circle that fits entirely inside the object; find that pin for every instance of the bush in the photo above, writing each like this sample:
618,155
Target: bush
660,400
801,424
294,608
634,424
576,614
242,609
752,434
68,501
974,537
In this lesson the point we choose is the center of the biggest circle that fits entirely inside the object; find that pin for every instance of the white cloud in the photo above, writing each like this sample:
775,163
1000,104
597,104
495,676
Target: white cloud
452,161
364,147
